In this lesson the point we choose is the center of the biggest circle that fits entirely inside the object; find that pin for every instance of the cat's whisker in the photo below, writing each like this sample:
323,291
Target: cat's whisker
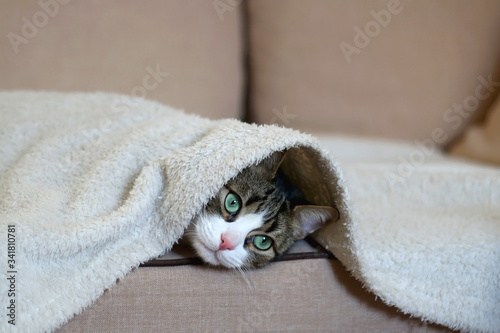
189,232
242,272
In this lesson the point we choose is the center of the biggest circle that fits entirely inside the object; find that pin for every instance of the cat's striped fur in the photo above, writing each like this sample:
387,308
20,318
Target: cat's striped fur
271,216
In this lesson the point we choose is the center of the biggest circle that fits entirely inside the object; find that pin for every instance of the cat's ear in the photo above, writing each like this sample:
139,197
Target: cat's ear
270,165
310,218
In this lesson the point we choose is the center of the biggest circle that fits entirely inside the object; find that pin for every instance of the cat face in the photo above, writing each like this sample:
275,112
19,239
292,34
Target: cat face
255,217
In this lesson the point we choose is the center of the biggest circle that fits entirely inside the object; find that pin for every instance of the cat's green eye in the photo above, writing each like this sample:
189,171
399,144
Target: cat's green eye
262,242
232,203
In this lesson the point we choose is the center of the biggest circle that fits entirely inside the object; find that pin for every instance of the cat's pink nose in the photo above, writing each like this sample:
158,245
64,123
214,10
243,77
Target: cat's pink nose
225,245
228,240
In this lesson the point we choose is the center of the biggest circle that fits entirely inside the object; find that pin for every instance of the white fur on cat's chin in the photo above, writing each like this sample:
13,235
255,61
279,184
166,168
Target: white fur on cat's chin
206,238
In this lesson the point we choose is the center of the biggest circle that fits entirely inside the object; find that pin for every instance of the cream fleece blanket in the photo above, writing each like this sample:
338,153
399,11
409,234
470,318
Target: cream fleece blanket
424,231
95,184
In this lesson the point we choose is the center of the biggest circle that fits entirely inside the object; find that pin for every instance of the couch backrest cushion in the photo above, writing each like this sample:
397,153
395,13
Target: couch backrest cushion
395,69
127,47
482,141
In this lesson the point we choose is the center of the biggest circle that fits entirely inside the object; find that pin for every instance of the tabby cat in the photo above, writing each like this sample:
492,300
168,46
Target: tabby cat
255,217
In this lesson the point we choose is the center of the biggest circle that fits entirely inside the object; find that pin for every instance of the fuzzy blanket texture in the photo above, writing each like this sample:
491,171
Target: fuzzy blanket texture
91,185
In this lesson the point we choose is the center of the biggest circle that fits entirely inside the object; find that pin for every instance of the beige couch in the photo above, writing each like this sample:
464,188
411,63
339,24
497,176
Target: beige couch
397,70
